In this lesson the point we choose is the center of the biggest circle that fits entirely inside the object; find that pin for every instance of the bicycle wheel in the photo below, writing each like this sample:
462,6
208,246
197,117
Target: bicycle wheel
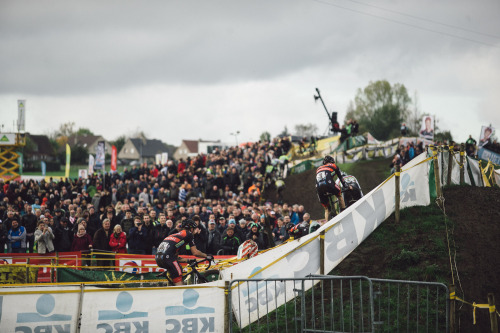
206,276
211,275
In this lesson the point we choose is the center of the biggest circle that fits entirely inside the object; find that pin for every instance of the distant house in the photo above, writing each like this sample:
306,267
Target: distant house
89,142
39,149
190,148
143,150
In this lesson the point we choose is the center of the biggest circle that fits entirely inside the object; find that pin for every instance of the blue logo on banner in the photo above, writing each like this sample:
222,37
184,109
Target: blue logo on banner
193,323
44,306
407,193
50,322
124,303
189,299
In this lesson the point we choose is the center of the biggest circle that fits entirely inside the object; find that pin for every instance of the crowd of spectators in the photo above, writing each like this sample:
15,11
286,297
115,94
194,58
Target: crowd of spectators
133,211
351,128
405,153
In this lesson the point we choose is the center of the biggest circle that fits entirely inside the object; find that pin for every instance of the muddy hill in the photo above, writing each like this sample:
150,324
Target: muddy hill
472,224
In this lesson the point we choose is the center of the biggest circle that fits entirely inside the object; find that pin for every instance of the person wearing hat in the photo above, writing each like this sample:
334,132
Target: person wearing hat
222,225
63,236
255,235
230,241
214,238
241,229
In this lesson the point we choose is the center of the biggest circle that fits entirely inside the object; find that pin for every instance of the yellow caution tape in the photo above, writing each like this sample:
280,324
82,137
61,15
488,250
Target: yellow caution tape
397,174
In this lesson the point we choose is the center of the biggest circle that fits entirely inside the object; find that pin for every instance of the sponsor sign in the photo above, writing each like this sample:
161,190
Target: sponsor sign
31,312
184,310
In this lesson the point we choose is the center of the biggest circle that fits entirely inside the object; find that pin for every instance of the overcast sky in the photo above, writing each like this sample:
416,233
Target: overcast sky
205,69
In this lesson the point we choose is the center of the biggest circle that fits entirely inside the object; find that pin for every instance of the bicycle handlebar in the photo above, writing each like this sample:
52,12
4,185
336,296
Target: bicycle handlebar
194,263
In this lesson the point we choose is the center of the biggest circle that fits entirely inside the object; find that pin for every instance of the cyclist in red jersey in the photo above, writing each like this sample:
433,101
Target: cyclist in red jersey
325,184
167,253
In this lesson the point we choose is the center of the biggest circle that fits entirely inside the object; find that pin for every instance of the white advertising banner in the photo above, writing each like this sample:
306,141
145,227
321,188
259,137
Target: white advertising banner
476,173
343,234
91,164
176,309
157,159
39,309
164,158
185,309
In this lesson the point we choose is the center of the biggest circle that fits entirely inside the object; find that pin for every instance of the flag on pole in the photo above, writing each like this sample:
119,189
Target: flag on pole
44,168
21,115
114,154
68,159
91,164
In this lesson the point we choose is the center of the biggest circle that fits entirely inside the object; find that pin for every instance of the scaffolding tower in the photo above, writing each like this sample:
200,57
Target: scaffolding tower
10,144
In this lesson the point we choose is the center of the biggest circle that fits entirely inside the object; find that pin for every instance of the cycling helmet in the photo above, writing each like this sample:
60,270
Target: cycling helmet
188,224
328,159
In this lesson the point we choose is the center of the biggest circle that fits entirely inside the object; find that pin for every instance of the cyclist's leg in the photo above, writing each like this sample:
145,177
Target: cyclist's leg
324,199
175,271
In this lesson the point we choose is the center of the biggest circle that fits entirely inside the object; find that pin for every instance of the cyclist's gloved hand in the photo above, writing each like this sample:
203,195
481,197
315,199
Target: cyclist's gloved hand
210,257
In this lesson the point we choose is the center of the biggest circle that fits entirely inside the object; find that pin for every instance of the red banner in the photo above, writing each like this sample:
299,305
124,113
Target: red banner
63,258
114,155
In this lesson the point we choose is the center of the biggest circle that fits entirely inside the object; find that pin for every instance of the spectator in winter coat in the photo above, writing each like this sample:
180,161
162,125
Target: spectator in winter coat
82,240
279,232
101,243
137,238
28,221
17,238
118,240
161,231
214,238
230,242
63,236
255,235
44,238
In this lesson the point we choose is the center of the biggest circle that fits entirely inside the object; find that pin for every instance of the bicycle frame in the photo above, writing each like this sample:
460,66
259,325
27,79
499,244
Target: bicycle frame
195,275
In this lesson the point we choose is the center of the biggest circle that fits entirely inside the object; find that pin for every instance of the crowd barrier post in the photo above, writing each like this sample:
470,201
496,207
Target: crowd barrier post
398,194
436,174
227,315
322,252
493,314
27,270
450,164
52,277
80,307
462,168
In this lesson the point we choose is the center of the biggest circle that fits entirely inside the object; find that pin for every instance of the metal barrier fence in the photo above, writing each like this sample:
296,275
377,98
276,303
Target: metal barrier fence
322,303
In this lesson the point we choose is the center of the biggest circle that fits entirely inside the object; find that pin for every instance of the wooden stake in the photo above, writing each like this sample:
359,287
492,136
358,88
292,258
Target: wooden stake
227,315
450,164
493,313
398,194
452,308
462,166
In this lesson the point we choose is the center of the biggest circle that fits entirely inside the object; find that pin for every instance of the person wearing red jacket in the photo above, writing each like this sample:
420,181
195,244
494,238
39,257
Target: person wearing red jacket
118,240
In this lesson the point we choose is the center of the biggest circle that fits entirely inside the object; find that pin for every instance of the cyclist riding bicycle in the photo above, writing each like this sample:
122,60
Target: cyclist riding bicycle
167,253
325,184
